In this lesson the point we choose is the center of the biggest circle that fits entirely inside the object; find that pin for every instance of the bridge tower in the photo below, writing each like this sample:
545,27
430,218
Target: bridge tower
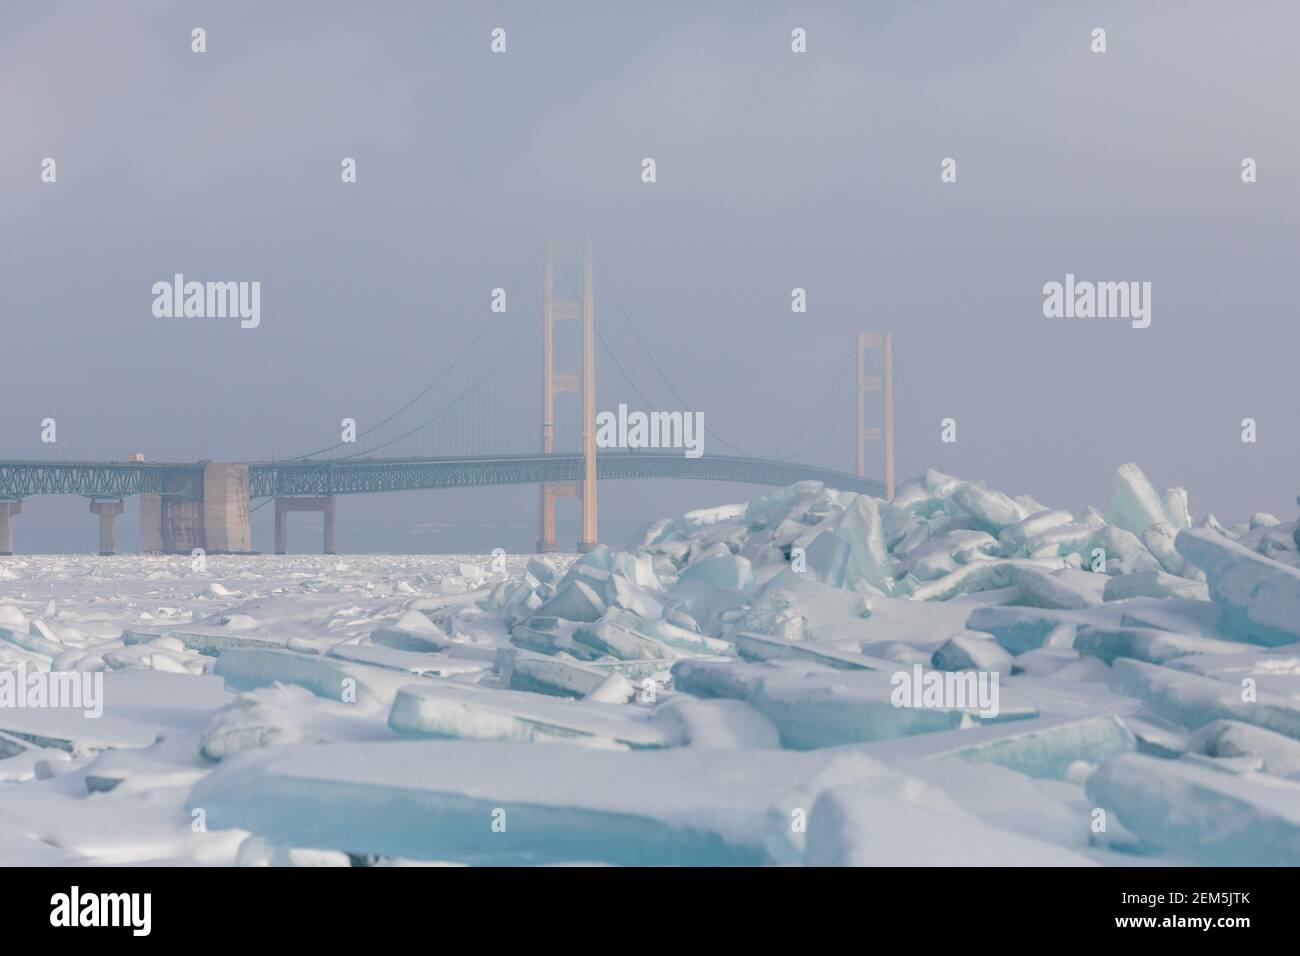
558,310
883,344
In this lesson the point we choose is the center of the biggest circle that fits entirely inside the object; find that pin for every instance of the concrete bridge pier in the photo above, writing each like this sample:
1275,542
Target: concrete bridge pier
107,511
283,506
7,511
215,519
225,516
170,525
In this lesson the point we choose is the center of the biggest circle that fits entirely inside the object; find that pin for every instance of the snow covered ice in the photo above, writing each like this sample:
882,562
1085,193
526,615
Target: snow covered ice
726,690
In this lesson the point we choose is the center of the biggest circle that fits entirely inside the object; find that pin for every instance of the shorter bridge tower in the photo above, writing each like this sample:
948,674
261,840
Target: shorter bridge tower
883,345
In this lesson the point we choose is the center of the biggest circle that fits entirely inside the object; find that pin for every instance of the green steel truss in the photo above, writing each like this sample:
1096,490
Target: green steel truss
22,479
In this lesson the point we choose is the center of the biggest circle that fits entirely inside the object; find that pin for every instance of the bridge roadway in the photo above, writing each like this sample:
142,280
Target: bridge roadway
116,480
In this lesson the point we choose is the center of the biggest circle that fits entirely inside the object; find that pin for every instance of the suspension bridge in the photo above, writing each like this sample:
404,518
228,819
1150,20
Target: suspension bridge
451,432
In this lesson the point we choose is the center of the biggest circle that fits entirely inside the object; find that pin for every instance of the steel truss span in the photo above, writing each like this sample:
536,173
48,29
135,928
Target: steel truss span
99,479
369,475
117,480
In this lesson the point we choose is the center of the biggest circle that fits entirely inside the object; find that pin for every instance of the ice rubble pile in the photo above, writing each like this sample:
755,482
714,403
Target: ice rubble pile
720,692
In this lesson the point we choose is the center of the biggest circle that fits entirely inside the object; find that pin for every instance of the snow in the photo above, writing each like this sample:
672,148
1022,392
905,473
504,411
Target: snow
854,827
1277,754
1201,815
816,707
727,690
969,653
1157,584
442,709
759,647
521,670
1021,629
1040,588
614,689
990,510
1051,751
402,636
1260,597
1192,700
1144,644
435,800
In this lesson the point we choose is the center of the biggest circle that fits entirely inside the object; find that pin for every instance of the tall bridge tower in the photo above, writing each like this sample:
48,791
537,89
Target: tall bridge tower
883,344
553,383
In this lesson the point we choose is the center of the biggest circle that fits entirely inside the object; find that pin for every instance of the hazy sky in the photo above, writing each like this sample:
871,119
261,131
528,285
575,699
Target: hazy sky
775,170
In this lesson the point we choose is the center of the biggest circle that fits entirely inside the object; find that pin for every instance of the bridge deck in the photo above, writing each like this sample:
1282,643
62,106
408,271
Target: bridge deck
22,479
